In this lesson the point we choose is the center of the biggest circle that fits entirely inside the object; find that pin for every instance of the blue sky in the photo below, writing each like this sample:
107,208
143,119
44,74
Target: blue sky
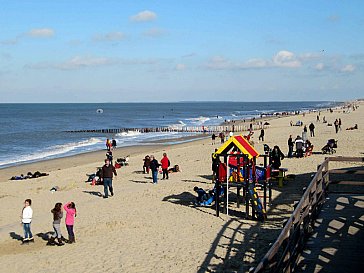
132,51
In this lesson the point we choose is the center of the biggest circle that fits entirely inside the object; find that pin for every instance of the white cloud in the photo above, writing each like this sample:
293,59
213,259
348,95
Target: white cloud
181,67
219,62
109,37
144,16
286,59
348,68
319,66
255,63
41,32
33,33
74,63
154,32
79,62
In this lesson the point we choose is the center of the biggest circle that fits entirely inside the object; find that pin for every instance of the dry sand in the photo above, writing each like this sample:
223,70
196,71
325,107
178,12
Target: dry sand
154,228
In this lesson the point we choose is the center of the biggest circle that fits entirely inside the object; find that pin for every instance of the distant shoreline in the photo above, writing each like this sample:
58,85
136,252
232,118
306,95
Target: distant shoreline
167,141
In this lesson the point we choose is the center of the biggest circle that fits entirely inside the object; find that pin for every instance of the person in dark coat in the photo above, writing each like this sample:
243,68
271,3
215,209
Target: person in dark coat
276,157
214,166
290,147
312,129
154,166
106,176
261,136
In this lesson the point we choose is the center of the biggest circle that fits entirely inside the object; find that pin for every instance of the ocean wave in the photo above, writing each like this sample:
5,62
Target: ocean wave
198,121
53,151
128,134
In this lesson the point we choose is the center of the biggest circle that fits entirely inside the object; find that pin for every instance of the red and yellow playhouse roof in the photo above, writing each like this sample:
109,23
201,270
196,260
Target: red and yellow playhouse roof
241,144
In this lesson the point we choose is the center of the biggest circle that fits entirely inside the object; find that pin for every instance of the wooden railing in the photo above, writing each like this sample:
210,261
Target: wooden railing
284,253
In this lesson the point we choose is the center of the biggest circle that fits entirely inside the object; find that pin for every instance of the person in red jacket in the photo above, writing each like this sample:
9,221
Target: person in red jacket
165,164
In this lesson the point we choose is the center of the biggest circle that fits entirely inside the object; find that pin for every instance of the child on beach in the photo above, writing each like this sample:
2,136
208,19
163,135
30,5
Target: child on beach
57,216
27,215
71,213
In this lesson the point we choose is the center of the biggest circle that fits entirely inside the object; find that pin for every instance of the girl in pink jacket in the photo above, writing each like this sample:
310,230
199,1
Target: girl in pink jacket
70,209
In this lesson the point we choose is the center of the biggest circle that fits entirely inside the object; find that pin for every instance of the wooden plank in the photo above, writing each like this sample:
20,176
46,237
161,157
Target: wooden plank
337,245
348,159
346,171
352,183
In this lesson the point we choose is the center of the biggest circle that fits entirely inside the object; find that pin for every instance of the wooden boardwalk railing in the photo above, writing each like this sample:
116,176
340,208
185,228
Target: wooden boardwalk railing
284,253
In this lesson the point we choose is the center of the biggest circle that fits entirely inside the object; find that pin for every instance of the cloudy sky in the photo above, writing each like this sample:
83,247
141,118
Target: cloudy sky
205,50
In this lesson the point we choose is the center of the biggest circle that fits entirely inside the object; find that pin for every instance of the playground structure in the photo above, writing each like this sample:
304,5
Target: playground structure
238,169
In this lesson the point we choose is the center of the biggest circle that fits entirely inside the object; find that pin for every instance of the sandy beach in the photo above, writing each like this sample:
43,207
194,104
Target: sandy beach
155,228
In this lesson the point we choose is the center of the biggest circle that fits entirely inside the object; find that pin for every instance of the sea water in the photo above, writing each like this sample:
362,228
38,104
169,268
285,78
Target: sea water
33,132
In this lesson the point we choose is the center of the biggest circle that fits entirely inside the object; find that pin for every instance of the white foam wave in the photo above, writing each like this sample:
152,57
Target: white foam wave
128,134
53,151
199,121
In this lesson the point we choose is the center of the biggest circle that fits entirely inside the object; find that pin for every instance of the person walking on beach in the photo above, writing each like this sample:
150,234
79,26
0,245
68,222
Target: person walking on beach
222,137
71,213
290,146
312,129
339,123
109,156
336,123
165,164
154,165
57,216
107,172
113,143
213,137
27,215
305,129
261,136
108,144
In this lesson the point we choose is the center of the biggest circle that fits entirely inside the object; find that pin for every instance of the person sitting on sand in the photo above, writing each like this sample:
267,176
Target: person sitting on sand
39,174
309,148
355,127
16,177
202,195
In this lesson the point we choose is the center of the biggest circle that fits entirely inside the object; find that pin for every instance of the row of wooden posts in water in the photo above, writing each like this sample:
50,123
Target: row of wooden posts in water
186,129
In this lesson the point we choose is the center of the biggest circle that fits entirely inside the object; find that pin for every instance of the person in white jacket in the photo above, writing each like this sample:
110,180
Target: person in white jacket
27,215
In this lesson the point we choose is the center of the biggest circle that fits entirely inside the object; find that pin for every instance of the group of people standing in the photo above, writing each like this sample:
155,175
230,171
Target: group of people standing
110,144
57,214
152,164
337,124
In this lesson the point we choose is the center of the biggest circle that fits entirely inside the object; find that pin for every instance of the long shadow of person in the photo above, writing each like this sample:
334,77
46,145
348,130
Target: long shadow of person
15,236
